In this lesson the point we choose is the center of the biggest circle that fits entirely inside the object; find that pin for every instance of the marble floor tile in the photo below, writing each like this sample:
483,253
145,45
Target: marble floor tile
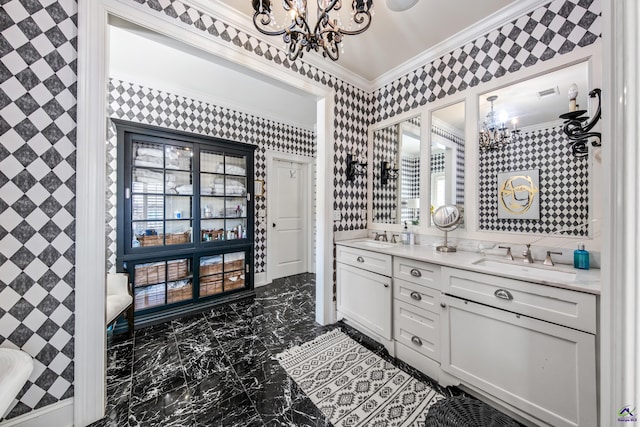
169,409
218,368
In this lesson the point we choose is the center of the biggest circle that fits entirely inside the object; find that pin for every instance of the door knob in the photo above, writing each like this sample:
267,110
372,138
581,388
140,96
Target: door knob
274,225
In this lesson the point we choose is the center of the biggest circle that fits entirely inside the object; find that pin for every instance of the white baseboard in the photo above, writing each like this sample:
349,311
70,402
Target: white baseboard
59,414
259,279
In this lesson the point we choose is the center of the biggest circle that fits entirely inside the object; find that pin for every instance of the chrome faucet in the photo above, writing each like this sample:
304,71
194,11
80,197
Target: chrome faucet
394,238
527,255
508,256
381,236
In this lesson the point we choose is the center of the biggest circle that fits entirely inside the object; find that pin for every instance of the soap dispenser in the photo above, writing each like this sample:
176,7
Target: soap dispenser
581,258
406,235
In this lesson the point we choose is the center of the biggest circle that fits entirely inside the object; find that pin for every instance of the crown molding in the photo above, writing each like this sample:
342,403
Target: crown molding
242,22
508,13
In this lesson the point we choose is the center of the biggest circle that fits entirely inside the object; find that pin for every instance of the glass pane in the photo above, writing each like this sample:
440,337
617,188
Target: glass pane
179,291
235,207
234,262
210,265
178,158
178,207
212,230
210,285
149,274
236,228
235,186
233,280
235,165
178,232
211,184
179,183
212,207
178,269
150,296
146,181
211,162
148,155
147,233
147,207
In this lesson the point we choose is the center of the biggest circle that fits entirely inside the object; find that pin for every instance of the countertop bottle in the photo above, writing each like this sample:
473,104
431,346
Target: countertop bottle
406,235
581,258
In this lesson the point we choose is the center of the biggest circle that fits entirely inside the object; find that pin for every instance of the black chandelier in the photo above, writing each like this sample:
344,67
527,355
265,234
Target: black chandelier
578,128
326,34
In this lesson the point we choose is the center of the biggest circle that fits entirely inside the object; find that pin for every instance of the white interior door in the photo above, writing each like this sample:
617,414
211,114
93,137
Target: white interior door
287,241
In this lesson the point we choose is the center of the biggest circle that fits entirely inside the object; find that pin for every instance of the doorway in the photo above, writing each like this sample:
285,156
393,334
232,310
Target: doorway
290,196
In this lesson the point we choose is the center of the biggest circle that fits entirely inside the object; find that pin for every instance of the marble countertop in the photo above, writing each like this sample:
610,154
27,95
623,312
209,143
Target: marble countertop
560,275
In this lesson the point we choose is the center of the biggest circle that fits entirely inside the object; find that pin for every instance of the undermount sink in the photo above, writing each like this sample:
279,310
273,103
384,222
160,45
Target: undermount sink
539,271
375,244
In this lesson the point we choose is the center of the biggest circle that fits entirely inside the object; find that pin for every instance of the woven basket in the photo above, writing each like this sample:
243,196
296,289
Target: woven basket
234,265
210,269
180,293
462,411
233,281
146,274
170,239
210,285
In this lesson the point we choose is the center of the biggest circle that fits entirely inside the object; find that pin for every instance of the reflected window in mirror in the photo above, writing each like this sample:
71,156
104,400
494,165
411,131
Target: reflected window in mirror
447,156
398,199
541,147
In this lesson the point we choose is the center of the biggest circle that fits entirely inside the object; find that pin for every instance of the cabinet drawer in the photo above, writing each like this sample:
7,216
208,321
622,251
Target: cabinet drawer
417,295
371,261
422,273
417,329
562,306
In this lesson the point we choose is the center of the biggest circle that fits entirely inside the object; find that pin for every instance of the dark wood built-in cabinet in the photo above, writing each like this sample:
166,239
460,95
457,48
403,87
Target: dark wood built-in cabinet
185,218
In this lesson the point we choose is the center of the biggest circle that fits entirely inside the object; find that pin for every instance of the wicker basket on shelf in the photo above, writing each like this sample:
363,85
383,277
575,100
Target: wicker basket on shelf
207,269
234,265
208,235
170,239
147,274
210,285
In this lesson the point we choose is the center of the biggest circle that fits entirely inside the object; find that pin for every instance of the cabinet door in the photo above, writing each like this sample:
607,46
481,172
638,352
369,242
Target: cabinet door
543,369
223,196
365,297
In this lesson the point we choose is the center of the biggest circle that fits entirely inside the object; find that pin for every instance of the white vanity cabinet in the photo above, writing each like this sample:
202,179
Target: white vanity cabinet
416,314
364,292
531,346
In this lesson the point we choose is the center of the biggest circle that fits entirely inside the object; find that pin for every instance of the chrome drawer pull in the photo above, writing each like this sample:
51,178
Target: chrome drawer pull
504,294
416,296
360,259
415,272
416,340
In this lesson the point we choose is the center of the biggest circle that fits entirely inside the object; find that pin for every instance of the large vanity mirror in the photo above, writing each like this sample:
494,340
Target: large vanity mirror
447,156
531,182
396,173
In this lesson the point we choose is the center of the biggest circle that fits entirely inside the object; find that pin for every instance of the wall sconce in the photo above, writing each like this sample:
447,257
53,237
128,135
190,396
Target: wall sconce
578,128
387,172
355,167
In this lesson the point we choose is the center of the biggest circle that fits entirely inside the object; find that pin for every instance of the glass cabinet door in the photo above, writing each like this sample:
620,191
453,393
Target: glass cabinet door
223,196
161,194
222,273
163,282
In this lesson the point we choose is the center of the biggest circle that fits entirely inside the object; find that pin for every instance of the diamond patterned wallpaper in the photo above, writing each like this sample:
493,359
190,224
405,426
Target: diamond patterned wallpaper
563,183
37,185
129,101
554,29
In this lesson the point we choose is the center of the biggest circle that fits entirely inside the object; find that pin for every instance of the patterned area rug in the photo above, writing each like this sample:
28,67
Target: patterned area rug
354,387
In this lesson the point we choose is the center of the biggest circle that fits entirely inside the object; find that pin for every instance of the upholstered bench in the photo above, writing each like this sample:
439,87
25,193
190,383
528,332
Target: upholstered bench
119,299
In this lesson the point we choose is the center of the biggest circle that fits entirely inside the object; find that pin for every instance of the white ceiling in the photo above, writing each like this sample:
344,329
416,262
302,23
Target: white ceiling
141,56
394,37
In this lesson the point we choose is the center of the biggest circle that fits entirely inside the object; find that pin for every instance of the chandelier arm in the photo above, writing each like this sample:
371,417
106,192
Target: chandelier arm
263,19
359,18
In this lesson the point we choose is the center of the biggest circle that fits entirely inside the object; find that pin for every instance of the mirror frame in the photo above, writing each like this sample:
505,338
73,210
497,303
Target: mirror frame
591,54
